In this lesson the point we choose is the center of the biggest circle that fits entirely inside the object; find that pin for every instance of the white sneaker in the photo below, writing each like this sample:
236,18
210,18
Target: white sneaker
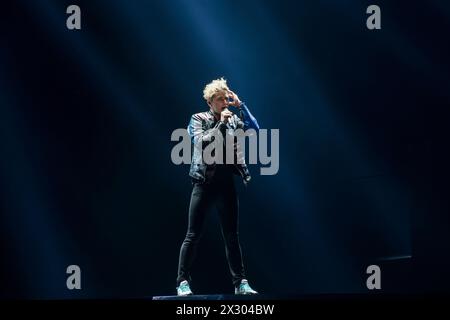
244,288
184,289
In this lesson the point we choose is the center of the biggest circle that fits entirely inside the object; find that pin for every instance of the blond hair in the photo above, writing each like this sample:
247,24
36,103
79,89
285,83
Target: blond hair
214,87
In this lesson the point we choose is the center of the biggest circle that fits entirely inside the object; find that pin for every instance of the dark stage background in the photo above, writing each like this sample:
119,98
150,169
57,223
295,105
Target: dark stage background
86,118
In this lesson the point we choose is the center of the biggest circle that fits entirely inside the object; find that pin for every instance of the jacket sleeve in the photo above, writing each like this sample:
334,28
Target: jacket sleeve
198,134
248,120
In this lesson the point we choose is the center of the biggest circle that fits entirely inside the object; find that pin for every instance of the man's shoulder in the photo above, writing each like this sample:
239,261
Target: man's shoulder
202,115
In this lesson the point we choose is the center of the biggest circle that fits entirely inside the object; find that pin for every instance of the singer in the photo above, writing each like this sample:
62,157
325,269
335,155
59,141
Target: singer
213,184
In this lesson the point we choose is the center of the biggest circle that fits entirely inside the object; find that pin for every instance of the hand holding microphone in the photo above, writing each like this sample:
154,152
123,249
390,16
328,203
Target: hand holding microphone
225,115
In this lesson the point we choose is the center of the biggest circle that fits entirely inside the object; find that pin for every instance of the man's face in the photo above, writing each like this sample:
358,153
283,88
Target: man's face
219,102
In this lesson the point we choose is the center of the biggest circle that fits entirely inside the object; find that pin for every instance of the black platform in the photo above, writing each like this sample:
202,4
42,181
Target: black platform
369,296
213,297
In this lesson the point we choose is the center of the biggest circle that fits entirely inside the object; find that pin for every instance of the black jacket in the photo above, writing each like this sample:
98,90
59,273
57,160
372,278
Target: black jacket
203,127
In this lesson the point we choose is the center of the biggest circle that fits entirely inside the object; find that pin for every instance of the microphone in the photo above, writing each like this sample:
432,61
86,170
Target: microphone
230,119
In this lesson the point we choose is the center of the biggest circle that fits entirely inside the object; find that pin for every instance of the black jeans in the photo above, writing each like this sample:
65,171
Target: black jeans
221,193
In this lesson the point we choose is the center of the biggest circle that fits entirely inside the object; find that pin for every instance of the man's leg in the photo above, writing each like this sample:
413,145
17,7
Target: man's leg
228,207
200,202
